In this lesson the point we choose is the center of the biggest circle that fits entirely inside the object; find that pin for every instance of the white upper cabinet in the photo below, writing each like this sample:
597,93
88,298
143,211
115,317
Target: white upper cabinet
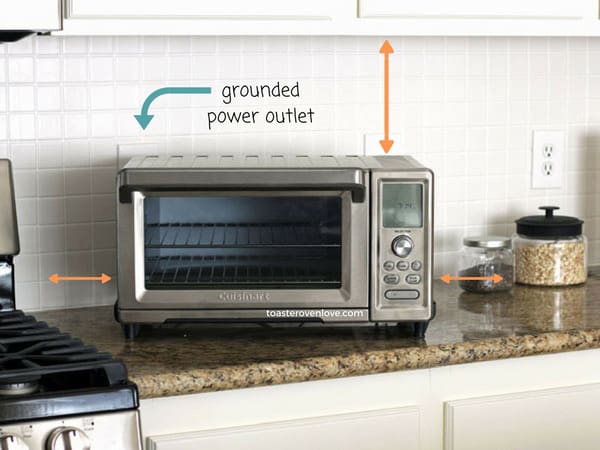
333,17
40,15
485,17
480,9
186,9
201,17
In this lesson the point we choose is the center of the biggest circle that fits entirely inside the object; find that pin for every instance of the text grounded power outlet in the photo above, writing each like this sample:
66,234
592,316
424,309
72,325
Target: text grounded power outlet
547,160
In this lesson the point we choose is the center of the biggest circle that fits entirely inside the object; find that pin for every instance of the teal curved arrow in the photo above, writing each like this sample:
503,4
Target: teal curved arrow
144,118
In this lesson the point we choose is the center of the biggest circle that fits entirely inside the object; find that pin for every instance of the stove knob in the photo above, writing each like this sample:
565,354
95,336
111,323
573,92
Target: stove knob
402,246
68,438
12,442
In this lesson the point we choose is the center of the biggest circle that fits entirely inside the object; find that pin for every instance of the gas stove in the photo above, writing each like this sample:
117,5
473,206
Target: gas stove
56,393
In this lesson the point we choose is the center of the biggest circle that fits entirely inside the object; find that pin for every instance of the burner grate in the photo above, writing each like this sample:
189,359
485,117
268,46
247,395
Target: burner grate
29,348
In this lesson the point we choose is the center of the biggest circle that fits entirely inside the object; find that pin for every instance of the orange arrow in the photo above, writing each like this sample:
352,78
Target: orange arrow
495,278
386,49
103,278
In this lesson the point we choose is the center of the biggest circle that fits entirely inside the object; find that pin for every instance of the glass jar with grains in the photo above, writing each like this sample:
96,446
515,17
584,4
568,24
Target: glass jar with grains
550,250
486,264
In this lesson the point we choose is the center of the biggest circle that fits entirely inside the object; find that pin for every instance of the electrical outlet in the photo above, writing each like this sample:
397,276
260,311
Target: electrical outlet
547,161
372,147
548,151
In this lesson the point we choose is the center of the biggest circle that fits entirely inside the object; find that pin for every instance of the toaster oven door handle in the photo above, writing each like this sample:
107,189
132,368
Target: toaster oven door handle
352,180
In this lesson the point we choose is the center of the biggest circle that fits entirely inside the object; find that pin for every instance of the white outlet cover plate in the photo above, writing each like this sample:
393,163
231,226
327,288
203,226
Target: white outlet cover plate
539,179
373,148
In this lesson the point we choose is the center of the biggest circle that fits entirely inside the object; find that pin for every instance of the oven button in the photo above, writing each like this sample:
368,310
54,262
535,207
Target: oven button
402,265
401,294
68,438
388,265
402,246
12,442
416,265
391,278
413,278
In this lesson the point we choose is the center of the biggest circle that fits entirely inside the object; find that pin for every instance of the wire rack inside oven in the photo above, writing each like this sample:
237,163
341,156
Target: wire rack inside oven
183,255
216,270
209,235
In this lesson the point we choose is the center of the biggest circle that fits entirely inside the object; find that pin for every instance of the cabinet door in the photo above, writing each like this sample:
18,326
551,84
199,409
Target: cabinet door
479,9
31,15
186,9
551,419
390,429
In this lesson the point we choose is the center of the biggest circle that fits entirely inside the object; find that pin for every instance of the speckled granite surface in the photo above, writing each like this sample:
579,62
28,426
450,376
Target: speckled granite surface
468,328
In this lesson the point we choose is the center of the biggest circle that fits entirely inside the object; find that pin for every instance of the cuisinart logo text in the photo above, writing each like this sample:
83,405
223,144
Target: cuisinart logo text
244,296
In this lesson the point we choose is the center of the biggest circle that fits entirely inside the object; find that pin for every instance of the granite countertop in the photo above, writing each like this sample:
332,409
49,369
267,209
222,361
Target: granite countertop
468,327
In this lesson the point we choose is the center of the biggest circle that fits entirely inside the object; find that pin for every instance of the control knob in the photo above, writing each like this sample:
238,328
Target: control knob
67,438
402,246
12,442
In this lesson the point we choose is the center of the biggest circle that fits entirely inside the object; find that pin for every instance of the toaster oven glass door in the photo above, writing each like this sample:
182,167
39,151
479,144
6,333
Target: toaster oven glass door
242,241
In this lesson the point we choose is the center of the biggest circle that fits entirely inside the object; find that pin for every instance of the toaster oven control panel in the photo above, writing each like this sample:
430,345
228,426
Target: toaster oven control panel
402,233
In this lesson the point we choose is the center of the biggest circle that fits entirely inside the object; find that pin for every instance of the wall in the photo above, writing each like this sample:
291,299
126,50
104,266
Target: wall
466,107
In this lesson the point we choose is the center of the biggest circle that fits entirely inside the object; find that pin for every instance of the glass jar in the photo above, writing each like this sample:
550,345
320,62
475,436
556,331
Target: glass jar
550,250
486,264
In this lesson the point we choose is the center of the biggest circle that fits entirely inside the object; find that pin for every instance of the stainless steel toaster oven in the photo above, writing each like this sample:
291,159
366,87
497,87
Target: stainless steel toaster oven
277,238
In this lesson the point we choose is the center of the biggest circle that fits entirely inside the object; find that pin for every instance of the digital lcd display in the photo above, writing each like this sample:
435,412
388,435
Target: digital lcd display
402,205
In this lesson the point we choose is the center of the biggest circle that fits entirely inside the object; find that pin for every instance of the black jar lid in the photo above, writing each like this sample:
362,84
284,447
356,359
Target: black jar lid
549,225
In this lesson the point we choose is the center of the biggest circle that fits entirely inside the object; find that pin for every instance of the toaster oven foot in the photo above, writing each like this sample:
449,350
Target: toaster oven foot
420,328
130,330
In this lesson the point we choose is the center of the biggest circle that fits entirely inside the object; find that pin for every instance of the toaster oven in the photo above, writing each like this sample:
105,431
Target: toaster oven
277,238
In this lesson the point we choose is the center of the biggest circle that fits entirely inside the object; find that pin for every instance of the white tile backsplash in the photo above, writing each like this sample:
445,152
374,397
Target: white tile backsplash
464,106
20,69
51,183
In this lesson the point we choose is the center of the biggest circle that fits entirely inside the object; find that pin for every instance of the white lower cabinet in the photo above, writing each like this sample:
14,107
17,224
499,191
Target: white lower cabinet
541,402
549,419
391,429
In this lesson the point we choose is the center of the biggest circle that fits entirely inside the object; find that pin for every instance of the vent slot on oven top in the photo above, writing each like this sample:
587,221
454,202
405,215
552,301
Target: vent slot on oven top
213,242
